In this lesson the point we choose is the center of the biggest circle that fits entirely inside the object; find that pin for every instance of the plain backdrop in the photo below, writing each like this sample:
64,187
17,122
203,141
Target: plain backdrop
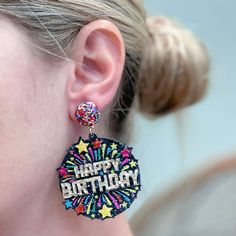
174,146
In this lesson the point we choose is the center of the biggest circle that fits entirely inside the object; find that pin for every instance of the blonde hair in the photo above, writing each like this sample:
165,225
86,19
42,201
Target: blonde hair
166,67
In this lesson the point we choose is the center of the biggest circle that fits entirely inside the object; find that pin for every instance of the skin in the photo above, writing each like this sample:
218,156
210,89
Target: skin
37,124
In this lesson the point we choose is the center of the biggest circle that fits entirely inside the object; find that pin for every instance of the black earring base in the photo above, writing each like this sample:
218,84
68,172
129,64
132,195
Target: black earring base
99,177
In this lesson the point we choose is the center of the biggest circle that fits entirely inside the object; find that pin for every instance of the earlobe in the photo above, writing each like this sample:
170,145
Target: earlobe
100,54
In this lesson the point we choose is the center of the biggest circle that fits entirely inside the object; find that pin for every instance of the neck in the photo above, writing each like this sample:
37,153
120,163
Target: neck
44,214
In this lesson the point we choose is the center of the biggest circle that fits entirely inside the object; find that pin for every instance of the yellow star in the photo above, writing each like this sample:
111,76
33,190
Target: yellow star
124,205
105,211
82,147
133,163
93,216
113,146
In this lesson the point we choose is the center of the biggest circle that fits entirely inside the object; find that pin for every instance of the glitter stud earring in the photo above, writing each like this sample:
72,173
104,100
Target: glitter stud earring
99,177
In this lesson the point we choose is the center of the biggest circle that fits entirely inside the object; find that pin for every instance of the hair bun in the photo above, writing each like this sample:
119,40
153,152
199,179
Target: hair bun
174,69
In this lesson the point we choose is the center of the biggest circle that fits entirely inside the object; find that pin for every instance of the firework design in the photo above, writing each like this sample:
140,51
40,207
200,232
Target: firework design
99,177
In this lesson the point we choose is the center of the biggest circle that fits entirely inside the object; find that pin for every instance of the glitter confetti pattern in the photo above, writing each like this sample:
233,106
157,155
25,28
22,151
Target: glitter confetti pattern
87,114
99,178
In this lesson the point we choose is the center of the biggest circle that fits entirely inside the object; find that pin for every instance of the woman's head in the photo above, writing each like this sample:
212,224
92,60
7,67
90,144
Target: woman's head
53,27
166,68
57,54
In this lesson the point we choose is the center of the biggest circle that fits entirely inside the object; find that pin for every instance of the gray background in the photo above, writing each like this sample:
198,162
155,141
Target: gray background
181,143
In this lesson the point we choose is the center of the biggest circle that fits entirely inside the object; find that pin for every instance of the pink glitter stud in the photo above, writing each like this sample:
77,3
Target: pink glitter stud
88,114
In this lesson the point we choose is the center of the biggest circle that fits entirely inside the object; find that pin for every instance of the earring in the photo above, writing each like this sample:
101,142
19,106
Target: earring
99,177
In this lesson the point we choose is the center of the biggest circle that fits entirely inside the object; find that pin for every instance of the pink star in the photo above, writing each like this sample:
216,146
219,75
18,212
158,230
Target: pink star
63,171
125,153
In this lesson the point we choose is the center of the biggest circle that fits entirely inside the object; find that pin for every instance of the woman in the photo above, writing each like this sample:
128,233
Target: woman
56,54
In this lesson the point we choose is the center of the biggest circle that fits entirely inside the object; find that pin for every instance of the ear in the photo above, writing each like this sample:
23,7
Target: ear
100,55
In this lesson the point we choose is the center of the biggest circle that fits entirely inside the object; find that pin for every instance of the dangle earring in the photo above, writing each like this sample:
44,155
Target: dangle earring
99,177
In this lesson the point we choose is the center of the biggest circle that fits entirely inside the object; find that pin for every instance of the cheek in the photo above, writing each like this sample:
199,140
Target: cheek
24,122
15,64
16,67
14,129
17,127
23,141
31,134
12,99
33,131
